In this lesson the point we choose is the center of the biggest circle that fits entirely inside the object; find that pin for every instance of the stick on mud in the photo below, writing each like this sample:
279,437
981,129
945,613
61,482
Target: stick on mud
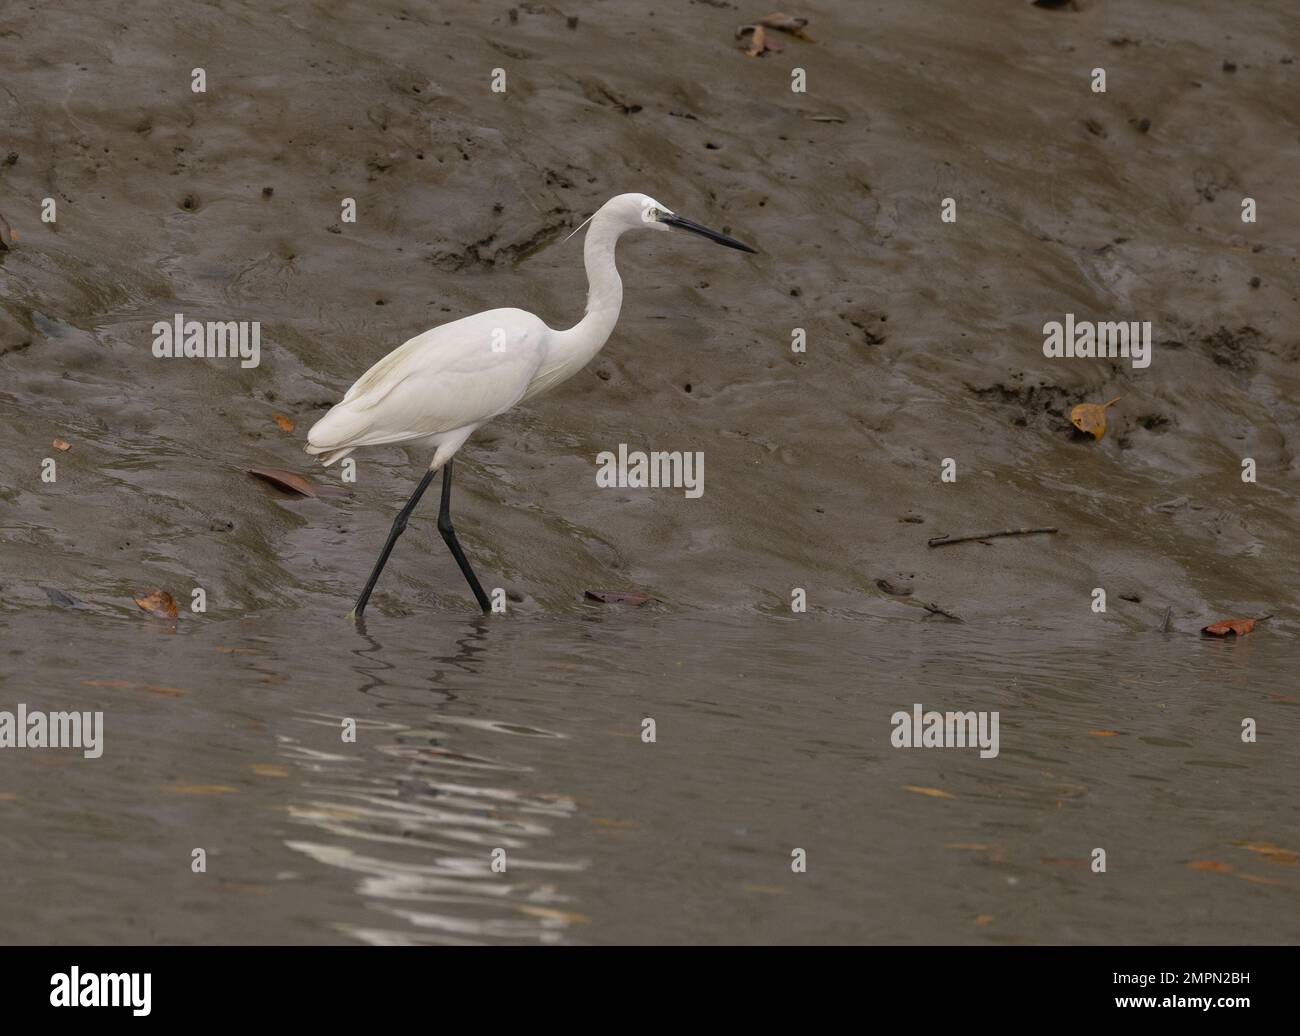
944,541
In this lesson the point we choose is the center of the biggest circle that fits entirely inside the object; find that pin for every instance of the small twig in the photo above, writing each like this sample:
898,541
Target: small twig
943,541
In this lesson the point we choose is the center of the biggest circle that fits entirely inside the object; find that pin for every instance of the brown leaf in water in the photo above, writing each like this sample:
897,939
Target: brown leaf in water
286,480
1214,866
157,602
1091,417
1230,628
984,919
62,444
934,793
632,597
286,423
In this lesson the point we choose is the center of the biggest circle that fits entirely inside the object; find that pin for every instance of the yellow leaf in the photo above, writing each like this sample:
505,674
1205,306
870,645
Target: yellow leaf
269,770
934,793
286,423
1104,733
1091,417
201,789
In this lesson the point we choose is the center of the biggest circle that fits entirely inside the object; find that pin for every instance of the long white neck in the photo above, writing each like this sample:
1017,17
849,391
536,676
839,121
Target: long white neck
584,340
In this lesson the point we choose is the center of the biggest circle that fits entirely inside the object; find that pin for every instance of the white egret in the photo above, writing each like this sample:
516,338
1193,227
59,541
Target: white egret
436,389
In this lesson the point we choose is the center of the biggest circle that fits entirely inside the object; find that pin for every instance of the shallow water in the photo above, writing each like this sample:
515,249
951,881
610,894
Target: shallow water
771,734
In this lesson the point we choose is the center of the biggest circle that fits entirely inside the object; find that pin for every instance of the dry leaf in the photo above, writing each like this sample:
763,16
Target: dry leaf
62,444
758,44
769,890
633,597
934,793
1230,627
984,919
201,789
157,602
1104,733
269,770
1212,865
286,423
786,23
287,480
1259,879
1275,853
1091,417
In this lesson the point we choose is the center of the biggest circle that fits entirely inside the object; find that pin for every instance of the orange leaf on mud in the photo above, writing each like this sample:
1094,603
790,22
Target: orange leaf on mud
1275,853
934,793
1091,417
286,423
1230,627
157,602
286,480
62,444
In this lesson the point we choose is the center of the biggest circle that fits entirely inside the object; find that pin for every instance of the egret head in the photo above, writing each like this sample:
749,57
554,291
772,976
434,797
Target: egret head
640,211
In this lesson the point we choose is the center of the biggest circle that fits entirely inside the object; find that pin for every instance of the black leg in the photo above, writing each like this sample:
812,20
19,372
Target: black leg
399,526
449,535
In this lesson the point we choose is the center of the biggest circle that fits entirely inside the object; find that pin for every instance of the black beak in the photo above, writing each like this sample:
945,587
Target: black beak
712,235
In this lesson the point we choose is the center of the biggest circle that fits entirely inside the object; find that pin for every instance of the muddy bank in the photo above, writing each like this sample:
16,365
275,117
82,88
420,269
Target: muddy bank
924,337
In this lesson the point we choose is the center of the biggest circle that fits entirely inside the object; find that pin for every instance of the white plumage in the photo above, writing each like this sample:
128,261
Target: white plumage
437,388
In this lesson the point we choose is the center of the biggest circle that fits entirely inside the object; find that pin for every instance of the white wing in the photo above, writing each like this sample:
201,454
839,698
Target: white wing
455,375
